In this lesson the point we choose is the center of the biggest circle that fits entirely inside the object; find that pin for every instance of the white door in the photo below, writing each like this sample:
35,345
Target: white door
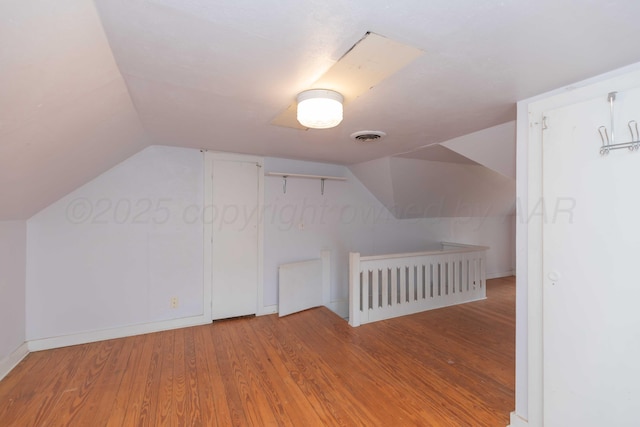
235,240
591,253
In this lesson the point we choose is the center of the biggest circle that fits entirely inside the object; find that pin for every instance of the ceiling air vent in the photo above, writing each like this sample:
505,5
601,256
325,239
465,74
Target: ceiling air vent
368,136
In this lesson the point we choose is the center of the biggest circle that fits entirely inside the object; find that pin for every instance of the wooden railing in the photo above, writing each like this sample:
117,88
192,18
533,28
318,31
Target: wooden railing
386,286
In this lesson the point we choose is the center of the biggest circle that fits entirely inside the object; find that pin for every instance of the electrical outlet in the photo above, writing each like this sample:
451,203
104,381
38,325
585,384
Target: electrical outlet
174,302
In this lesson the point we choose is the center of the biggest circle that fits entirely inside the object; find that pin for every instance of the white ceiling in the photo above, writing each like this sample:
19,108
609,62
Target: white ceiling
84,85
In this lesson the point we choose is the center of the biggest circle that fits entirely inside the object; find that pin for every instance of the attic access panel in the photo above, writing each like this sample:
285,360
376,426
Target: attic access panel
370,61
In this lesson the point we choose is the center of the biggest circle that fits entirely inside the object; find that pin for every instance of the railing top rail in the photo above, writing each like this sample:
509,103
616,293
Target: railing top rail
459,248
464,245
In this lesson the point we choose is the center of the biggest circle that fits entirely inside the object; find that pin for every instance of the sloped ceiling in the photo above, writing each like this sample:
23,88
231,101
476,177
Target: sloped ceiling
427,189
415,188
65,112
494,148
436,181
85,84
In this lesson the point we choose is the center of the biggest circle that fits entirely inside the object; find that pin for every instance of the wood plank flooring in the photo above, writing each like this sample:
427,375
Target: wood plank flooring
447,367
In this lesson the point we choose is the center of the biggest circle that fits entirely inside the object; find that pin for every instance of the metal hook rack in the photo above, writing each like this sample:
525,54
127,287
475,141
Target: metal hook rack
609,144
322,179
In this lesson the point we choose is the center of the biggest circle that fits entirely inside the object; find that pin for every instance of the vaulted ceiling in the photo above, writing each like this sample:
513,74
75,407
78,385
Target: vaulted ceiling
83,84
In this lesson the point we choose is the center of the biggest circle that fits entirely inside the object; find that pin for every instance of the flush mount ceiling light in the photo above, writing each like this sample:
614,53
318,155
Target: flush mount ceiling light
320,108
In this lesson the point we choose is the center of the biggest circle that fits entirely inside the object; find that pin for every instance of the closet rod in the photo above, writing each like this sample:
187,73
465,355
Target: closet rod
299,175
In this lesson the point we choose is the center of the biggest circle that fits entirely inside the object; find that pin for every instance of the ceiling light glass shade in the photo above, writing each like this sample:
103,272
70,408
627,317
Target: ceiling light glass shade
320,108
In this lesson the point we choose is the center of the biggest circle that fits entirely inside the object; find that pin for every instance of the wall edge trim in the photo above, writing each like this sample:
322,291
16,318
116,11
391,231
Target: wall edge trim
517,421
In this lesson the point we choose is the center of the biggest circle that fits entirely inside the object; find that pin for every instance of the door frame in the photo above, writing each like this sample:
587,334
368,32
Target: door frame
209,158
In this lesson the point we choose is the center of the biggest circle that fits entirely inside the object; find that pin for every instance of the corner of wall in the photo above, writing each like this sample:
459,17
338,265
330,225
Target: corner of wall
11,361
13,265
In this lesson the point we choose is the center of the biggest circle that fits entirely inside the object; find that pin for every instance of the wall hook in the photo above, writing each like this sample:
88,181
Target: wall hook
609,142
284,184
635,139
634,125
602,130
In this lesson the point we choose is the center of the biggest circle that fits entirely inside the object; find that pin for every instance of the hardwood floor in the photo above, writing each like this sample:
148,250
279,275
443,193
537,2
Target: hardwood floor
448,367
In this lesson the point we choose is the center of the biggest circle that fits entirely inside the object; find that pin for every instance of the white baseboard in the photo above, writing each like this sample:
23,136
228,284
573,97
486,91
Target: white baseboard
517,421
9,362
268,309
499,275
108,334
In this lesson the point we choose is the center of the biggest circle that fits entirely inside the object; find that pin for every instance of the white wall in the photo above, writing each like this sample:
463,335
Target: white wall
302,222
113,252
12,286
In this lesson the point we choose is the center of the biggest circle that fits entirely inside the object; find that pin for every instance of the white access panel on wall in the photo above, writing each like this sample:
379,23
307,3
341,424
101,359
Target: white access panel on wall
591,282
235,246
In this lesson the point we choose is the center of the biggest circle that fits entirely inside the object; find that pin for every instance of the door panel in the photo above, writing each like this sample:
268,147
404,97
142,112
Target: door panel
591,287
235,238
